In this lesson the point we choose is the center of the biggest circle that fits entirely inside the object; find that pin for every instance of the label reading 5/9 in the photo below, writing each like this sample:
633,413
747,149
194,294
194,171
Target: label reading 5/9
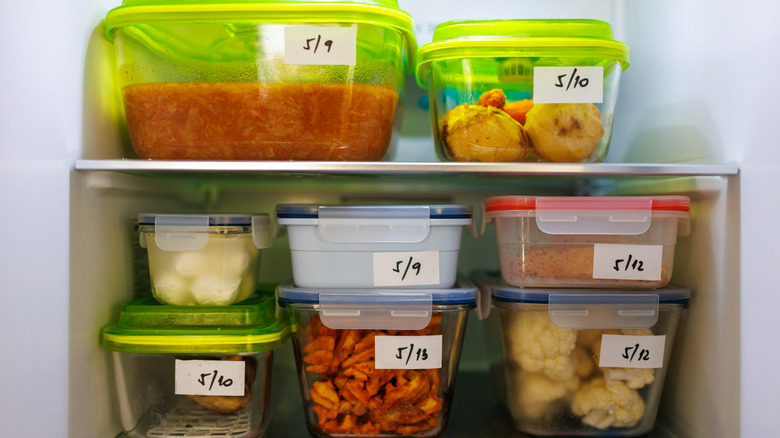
568,84
417,268
209,377
320,45
627,262
632,351
407,352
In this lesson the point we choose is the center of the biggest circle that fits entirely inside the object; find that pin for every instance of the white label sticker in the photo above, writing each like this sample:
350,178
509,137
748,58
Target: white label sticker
632,351
407,352
320,45
419,268
568,84
627,262
209,377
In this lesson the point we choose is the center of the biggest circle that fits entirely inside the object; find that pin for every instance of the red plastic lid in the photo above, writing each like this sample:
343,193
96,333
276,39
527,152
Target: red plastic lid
657,203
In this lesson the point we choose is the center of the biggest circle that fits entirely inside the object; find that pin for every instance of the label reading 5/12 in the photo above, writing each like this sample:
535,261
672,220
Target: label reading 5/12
320,45
627,262
632,351
417,268
407,352
209,377
568,84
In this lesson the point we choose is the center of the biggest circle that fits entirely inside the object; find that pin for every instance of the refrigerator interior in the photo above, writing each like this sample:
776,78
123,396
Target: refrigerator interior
694,94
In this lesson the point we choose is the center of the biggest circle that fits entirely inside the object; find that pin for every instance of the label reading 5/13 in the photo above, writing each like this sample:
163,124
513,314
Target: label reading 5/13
418,268
627,262
407,352
209,377
632,351
568,84
320,45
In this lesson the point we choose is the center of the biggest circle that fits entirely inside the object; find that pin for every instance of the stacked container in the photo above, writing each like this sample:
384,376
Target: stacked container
378,315
195,356
261,80
522,90
584,318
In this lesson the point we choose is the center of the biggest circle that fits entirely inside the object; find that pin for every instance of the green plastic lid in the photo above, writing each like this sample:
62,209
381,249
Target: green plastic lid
384,13
558,38
146,326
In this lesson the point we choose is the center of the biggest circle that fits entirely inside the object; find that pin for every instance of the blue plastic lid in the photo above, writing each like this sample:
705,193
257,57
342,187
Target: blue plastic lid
380,309
667,295
463,293
312,211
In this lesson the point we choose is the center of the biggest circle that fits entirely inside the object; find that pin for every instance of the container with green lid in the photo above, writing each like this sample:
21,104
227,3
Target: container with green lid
195,371
522,90
261,80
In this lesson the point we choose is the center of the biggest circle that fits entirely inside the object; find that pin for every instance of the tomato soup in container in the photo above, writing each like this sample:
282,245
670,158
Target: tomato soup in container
261,80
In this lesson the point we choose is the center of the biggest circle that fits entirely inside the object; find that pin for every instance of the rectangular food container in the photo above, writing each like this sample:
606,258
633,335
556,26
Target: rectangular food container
374,246
522,90
195,371
261,80
377,362
588,241
581,362
208,259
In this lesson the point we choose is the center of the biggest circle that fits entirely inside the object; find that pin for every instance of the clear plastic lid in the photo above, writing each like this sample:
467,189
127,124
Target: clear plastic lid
385,309
536,38
190,232
146,326
584,308
610,215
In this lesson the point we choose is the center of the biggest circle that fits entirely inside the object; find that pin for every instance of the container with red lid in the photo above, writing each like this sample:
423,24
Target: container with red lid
613,241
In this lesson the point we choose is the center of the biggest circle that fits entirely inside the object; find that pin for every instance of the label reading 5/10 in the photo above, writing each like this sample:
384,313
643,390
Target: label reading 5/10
209,377
407,352
627,262
632,351
568,84
320,45
418,268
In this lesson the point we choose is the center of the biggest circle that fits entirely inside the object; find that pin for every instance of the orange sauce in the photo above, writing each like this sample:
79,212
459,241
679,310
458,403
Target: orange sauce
260,121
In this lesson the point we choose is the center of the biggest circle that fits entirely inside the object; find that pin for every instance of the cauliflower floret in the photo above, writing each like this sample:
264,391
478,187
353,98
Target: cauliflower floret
583,362
604,405
534,393
539,346
634,378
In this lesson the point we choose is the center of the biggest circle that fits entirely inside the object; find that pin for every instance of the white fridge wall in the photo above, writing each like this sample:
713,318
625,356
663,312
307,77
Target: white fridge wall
701,88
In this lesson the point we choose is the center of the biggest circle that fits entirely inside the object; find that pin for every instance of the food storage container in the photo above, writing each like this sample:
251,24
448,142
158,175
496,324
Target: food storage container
374,246
208,259
261,80
195,371
522,90
581,241
377,362
581,362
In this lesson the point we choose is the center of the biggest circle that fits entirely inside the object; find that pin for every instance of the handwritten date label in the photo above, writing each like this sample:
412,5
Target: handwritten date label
418,268
632,351
320,45
209,377
627,262
407,352
568,84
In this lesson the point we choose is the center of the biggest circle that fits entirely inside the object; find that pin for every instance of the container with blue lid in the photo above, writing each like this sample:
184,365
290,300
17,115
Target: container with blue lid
195,371
580,362
203,259
377,362
374,246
